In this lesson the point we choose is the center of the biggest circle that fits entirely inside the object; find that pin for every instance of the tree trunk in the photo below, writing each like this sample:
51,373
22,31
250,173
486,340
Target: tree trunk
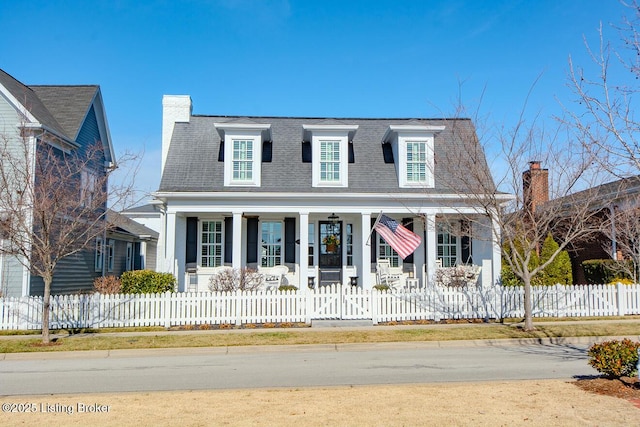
46,304
528,307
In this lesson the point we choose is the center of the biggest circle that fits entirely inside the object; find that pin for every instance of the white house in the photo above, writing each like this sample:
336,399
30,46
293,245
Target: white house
266,191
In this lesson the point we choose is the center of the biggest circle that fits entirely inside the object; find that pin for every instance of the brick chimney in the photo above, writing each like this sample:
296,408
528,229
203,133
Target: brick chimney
535,186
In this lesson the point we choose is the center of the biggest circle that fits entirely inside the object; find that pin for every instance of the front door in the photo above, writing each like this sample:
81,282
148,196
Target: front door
330,263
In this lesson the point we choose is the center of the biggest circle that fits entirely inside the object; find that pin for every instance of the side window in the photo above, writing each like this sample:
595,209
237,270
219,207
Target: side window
312,240
99,255
111,253
88,181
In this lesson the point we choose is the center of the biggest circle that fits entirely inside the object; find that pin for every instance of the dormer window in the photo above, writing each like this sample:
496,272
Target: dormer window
330,153
413,151
243,152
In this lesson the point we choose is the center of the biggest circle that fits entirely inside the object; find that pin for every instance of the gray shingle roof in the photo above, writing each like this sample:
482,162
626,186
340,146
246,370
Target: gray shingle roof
129,226
68,104
192,161
60,108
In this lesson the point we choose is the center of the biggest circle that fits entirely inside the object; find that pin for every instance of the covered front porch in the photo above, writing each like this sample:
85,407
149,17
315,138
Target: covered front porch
322,246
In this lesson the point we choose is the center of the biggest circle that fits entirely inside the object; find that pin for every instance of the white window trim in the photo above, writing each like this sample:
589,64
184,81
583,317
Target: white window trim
281,240
453,229
337,132
129,260
238,131
88,183
222,229
98,261
111,254
399,136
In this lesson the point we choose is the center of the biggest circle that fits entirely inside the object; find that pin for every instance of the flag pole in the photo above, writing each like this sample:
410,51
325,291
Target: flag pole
373,227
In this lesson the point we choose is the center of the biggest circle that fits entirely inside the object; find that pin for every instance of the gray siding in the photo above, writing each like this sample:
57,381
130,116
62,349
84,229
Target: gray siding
12,269
151,256
74,274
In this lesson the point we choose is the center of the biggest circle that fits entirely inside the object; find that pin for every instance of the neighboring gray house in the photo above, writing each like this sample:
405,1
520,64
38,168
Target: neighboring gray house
129,246
268,191
68,118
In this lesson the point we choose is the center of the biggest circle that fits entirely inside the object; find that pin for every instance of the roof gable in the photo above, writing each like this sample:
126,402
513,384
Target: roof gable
62,110
68,104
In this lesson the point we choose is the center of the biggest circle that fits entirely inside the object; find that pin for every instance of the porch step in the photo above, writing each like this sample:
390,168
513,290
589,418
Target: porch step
340,323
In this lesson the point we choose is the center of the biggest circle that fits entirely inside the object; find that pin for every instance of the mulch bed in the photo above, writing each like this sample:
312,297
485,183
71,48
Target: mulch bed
624,388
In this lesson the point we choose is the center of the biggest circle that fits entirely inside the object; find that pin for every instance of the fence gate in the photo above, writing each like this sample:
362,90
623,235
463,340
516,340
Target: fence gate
340,302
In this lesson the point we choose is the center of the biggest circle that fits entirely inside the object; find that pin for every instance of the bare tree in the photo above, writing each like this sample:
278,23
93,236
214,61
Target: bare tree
603,115
53,201
518,203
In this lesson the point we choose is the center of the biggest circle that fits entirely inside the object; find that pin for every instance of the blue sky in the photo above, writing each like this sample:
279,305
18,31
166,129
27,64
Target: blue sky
300,58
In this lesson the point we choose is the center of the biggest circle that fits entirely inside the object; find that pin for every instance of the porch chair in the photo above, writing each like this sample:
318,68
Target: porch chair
272,276
387,275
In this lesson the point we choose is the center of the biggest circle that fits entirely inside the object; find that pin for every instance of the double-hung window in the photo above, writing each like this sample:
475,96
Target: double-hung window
271,251
242,160
99,256
329,161
387,252
413,152
447,245
243,152
111,255
416,161
211,248
88,182
329,153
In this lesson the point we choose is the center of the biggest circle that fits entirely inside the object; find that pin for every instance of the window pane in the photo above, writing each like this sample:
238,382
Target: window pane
242,166
271,253
416,161
211,244
329,161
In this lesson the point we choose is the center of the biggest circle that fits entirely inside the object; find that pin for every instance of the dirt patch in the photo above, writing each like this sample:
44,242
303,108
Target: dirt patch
512,403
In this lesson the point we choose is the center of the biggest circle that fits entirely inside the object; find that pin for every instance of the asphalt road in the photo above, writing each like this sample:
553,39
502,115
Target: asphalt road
287,366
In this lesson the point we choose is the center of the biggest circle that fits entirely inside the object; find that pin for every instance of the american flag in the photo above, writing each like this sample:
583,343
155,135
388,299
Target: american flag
401,239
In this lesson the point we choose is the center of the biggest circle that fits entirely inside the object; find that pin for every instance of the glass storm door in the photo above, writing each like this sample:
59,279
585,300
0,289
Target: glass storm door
330,262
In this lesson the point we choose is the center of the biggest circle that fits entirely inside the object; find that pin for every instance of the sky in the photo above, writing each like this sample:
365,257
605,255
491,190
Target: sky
302,58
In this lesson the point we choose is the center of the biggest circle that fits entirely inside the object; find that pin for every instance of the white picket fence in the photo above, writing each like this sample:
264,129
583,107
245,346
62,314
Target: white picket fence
330,302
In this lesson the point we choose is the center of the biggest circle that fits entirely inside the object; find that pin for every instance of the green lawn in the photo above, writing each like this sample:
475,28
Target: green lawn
159,338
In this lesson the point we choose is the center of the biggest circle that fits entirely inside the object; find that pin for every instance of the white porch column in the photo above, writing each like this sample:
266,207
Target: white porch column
180,251
237,241
303,274
430,245
169,244
497,250
365,270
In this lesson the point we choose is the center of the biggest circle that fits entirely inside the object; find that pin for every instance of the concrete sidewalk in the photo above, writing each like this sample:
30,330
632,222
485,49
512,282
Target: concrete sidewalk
323,326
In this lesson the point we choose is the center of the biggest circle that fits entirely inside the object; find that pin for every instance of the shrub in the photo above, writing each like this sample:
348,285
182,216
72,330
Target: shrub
559,271
381,287
107,285
287,288
147,282
615,359
622,280
245,279
605,270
